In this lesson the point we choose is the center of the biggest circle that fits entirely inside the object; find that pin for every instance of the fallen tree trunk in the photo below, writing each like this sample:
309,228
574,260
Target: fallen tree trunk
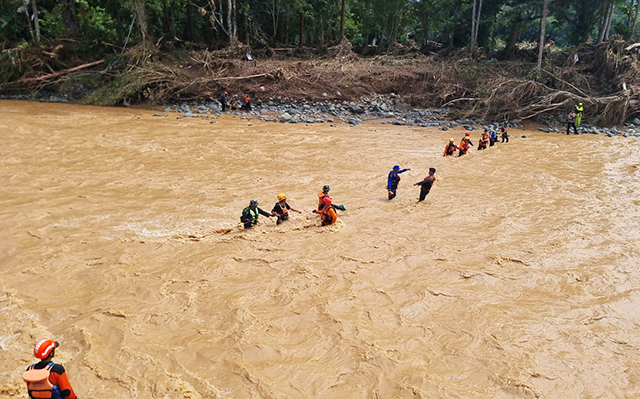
60,73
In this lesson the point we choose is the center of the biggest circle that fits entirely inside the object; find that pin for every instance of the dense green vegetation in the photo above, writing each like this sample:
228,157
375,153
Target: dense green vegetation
371,25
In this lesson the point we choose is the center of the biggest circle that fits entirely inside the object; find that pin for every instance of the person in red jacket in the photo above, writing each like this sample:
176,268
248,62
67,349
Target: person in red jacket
47,379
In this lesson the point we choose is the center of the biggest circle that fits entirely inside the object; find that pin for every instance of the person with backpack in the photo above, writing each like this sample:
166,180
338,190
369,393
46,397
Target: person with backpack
47,379
251,213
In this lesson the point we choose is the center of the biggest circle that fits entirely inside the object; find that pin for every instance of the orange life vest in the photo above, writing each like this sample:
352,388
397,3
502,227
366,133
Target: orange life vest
38,382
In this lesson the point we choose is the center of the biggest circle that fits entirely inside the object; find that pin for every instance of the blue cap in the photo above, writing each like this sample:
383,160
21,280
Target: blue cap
396,167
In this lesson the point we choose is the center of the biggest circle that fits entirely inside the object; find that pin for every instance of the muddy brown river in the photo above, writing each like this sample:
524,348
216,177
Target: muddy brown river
518,277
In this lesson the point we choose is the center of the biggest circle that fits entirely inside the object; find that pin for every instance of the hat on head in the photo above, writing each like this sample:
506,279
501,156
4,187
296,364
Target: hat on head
396,167
432,170
253,202
326,188
43,349
467,134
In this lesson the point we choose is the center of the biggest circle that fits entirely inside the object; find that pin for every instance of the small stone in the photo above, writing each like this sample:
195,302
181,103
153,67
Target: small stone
338,94
159,115
636,121
261,88
212,121
325,95
285,116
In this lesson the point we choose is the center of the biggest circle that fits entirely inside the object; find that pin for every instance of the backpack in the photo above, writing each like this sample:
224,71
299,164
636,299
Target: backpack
38,382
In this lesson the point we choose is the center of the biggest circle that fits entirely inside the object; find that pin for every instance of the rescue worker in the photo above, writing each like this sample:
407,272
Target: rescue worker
450,149
484,140
47,379
393,180
468,135
579,112
571,123
225,101
493,137
281,209
426,184
246,103
324,194
504,135
251,213
328,213
464,146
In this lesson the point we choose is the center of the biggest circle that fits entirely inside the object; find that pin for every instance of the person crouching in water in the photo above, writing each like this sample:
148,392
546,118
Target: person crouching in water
250,214
281,209
426,184
328,213
464,146
450,149
484,140
393,180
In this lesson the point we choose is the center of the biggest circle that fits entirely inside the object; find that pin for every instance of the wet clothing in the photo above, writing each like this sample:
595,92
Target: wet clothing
282,211
250,216
484,140
579,112
425,186
493,137
392,182
58,378
571,123
470,143
505,136
328,216
450,149
464,147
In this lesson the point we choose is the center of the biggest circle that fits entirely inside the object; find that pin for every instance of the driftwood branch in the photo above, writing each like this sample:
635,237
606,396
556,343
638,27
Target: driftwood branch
260,75
61,73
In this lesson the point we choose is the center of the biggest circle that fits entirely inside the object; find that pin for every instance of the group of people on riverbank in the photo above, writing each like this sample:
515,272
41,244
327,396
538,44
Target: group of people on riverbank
226,103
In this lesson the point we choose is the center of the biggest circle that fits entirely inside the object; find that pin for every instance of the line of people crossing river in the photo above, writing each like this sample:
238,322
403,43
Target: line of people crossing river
327,210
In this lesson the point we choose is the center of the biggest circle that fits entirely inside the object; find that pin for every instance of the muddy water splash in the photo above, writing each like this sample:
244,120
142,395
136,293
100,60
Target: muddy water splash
517,278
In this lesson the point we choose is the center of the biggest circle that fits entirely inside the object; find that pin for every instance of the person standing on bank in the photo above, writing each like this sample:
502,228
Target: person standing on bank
571,123
426,184
47,379
393,180
225,101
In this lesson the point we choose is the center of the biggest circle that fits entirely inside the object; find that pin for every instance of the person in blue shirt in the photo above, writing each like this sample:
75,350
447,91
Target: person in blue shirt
493,136
225,101
393,180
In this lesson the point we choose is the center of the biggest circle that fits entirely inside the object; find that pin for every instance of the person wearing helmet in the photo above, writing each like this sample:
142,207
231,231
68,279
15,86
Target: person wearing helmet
467,135
450,149
225,101
426,184
493,136
281,209
393,180
322,195
484,140
328,213
47,379
250,214
246,103
579,112
464,146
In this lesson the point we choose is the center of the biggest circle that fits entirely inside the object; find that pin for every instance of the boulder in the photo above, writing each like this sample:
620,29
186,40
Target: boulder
285,116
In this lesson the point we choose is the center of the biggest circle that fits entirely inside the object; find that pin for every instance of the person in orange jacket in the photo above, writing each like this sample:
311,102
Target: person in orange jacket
464,146
328,213
47,379
325,194
451,148
484,140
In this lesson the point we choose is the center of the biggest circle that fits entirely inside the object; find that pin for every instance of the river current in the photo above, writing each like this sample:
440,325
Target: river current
517,277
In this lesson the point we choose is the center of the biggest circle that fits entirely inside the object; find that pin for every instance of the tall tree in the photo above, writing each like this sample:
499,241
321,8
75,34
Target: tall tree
543,29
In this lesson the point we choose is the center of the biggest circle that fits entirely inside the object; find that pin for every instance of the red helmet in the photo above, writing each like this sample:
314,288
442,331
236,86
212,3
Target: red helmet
326,200
43,349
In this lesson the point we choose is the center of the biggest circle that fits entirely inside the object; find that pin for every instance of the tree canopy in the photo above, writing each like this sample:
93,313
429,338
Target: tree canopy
376,25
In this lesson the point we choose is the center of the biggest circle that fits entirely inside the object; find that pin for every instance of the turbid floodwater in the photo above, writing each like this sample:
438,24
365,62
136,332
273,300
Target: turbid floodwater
518,277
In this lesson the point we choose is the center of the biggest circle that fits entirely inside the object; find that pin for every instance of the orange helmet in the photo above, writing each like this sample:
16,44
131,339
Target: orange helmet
43,349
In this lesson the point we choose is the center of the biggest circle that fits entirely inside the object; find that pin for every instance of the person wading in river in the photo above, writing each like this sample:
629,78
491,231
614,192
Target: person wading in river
464,146
47,379
281,209
450,149
328,213
325,194
484,140
426,184
393,180
251,213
